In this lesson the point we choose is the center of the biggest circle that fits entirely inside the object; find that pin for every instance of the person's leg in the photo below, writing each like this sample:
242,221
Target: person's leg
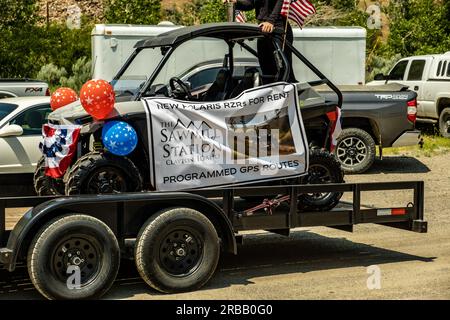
267,60
288,53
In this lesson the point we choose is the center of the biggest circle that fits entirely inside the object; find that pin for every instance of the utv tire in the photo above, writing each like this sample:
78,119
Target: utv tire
69,248
323,169
99,173
355,150
444,123
45,185
177,250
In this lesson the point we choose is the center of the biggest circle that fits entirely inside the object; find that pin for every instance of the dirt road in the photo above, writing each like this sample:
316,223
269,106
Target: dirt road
322,263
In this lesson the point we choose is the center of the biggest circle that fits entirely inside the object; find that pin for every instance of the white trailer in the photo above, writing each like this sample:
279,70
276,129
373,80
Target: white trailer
339,52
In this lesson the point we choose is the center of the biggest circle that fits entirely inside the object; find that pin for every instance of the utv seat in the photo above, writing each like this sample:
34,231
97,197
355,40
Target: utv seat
220,88
252,79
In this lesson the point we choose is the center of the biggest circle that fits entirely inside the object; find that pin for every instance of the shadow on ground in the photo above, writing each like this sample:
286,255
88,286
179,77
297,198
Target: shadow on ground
398,164
264,255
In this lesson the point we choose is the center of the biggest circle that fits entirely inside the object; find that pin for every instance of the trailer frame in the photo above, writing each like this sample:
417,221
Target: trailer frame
124,210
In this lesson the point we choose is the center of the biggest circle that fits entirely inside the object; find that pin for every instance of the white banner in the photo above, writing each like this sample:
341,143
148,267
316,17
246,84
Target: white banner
255,137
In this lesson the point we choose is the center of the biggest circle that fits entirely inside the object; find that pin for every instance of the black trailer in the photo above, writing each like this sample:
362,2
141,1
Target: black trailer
175,237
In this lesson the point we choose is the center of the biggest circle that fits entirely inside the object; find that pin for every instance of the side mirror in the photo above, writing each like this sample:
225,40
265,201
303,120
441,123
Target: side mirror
11,131
380,77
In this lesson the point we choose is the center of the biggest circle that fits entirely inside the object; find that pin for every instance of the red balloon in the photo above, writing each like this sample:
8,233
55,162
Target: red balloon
97,98
62,97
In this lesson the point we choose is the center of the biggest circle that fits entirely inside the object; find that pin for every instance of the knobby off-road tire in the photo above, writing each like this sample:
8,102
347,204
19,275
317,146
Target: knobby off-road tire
70,241
355,150
45,185
98,173
177,250
444,123
323,169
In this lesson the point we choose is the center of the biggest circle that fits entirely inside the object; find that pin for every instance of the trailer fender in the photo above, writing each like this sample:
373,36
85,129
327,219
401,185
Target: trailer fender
36,217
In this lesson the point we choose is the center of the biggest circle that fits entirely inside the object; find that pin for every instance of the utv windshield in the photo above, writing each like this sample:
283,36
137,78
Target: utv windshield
138,71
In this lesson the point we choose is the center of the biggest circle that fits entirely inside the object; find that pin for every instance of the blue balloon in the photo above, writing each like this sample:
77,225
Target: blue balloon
119,138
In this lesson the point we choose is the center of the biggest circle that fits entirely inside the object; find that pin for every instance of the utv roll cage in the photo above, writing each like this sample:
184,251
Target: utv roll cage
232,33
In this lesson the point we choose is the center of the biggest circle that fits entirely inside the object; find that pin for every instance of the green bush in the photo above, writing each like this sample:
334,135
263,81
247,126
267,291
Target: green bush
133,11
51,74
201,11
81,72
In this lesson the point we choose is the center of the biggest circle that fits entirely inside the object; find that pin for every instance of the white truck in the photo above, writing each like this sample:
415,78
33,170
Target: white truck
429,76
339,51
10,88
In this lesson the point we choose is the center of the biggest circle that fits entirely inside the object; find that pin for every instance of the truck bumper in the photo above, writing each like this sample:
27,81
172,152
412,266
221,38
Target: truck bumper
409,138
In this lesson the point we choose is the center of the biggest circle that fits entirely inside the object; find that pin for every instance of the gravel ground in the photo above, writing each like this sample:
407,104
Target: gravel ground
323,263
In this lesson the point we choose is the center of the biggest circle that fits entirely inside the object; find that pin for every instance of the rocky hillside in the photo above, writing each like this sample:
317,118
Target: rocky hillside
56,10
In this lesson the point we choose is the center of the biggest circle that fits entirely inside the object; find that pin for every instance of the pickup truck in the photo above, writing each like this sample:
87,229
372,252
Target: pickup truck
11,88
429,76
382,116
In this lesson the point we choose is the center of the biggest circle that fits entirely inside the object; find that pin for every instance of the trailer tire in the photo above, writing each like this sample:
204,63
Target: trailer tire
177,250
444,123
45,185
73,240
355,150
323,168
119,175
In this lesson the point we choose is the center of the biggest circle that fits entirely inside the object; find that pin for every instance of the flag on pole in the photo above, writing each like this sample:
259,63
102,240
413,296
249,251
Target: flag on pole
240,16
297,10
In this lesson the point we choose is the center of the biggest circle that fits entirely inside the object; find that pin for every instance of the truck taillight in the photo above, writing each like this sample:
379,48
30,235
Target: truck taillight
47,92
412,110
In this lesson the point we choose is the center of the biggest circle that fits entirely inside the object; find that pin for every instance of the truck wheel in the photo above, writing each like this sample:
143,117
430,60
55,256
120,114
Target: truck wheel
355,150
45,185
177,250
97,173
323,169
444,123
73,257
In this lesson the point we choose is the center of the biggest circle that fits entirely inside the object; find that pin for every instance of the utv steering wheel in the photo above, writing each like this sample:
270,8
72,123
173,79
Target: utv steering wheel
182,90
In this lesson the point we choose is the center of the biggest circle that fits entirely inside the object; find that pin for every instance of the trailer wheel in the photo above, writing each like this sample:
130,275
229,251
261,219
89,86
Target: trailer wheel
355,150
177,250
73,257
444,123
98,173
323,169
45,185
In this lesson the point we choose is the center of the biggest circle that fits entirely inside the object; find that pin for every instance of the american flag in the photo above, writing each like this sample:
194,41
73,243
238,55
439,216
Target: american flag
240,16
58,147
297,10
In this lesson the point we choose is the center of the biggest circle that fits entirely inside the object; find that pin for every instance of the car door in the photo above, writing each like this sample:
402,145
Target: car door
23,151
414,80
397,73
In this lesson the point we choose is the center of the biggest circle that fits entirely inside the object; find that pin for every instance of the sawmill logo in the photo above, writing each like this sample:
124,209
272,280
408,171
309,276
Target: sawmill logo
186,142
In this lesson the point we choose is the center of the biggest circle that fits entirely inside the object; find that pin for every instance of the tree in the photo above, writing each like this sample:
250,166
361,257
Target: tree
133,11
418,27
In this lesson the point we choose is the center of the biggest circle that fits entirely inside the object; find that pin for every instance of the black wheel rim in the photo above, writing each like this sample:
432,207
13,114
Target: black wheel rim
446,124
318,174
80,251
351,151
106,180
181,251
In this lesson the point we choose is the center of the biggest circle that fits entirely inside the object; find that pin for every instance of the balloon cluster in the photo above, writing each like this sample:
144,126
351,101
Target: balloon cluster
97,97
